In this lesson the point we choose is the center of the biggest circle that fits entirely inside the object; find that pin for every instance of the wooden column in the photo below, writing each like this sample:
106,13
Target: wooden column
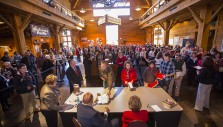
166,29
18,34
150,35
203,30
203,21
56,29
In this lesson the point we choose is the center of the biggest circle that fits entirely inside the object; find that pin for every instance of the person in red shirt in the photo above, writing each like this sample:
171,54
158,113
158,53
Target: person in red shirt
136,113
128,74
120,60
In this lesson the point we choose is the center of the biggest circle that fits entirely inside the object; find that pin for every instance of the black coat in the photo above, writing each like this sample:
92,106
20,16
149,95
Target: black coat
206,76
22,82
93,117
72,77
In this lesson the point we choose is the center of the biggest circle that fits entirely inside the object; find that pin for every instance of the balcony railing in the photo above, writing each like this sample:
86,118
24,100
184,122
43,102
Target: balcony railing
157,6
65,11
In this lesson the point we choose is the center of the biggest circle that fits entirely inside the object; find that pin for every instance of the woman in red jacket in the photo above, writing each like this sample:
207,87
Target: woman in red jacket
136,113
128,74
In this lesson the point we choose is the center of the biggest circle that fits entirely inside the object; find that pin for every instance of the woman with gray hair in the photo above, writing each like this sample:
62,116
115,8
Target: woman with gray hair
135,112
51,101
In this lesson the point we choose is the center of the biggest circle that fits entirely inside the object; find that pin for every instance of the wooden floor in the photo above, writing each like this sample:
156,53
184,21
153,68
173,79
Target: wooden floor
190,118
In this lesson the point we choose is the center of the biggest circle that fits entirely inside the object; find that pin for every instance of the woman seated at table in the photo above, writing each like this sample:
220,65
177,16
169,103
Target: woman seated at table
128,74
136,114
50,101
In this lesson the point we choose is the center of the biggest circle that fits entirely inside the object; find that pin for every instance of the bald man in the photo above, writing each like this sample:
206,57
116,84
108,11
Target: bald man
93,117
74,75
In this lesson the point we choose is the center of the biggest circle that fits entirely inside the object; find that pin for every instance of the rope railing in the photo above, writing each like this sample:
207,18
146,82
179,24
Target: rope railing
35,75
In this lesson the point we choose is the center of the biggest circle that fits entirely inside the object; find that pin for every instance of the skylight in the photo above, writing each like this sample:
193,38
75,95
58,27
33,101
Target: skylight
113,12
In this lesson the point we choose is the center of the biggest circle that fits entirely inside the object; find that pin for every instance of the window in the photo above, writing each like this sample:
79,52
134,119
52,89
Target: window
113,12
112,34
112,30
66,39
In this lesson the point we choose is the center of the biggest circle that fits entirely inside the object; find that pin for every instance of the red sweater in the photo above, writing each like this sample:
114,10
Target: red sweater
129,116
132,75
118,60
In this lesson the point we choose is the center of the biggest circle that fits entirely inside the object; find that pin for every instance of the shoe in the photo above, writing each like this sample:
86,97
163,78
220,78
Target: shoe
198,110
36,110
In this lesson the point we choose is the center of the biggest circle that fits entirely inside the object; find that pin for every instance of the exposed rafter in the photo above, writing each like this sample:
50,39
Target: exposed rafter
215,14
149,2
7,22
74,4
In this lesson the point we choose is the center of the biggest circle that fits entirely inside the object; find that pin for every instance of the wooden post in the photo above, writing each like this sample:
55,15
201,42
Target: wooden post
18,34
57,37
203,31
167,32
149,35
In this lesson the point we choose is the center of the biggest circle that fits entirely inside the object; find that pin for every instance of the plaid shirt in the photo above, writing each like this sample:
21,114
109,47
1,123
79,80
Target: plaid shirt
167,68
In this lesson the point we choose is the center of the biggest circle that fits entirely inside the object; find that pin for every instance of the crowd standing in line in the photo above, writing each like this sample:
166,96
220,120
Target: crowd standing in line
136,64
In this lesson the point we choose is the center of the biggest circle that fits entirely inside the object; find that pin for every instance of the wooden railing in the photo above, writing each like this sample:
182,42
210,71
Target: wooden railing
65,11
156,7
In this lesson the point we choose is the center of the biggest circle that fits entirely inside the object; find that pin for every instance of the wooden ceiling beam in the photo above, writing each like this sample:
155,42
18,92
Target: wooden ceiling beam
7,22
149,2
162,25
26,21
61,28
196,18
74,4
215,14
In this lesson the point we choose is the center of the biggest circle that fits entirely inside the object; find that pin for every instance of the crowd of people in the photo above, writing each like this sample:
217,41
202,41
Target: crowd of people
148,65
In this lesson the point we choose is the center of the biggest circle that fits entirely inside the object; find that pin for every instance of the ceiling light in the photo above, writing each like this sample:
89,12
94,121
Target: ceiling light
79,28
92,20
130,18
137,8
82,10
81,24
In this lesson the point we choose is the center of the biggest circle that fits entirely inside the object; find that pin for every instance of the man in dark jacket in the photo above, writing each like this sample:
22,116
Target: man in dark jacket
25,85
93,117
30,62
74,75
5,58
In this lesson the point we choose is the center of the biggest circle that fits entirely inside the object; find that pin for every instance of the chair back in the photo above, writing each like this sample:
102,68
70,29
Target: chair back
137,123
75,122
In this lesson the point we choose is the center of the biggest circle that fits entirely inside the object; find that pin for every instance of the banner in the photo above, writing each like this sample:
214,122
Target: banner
40,30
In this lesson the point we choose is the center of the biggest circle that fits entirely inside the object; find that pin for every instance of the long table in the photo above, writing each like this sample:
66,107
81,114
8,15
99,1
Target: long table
119,103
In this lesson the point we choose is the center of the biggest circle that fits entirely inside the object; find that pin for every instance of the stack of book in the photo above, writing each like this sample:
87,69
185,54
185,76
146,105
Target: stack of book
168,104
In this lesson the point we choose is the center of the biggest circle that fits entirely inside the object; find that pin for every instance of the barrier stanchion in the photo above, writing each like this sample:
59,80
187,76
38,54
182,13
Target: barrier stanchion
58,72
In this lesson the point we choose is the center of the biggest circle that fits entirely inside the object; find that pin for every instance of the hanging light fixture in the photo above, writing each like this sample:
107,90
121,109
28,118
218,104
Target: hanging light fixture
107,3
92,20
137,8
82,10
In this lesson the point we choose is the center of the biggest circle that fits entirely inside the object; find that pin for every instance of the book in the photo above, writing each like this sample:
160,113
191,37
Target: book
159,75
154,84
169,103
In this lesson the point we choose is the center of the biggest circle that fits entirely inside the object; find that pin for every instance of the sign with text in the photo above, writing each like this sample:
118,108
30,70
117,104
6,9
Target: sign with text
40,30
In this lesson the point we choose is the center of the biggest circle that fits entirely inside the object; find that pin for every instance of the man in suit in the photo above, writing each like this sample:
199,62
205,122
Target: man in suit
74,75
93,117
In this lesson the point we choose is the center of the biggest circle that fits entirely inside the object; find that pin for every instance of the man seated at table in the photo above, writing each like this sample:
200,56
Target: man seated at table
89,117
107,75
136,114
